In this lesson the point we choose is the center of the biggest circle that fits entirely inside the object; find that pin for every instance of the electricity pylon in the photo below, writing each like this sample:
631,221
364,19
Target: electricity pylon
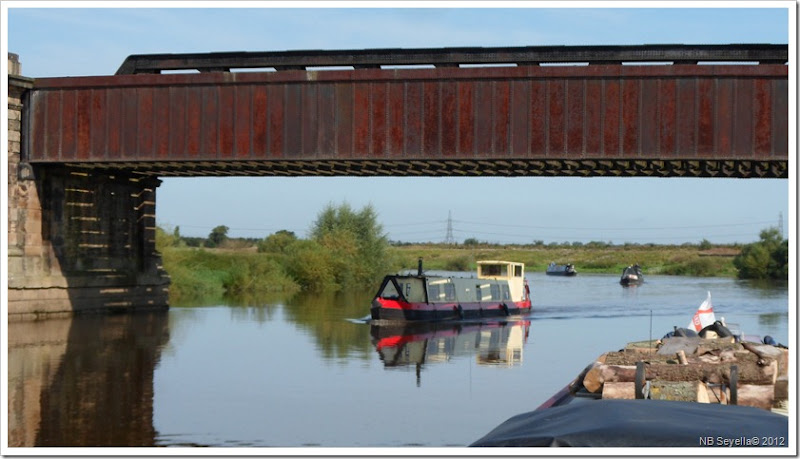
449,239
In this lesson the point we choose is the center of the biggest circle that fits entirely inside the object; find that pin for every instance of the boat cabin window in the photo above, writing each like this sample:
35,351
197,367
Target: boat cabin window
403,288
506,292
449,292
517,270
487,292
495,289
390,291
441,290
482,292
494,270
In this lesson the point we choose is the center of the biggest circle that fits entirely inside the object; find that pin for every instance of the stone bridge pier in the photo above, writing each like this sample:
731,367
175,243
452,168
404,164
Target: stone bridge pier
78,240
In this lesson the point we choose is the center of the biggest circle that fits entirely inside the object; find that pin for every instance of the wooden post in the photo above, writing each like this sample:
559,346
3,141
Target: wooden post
639,381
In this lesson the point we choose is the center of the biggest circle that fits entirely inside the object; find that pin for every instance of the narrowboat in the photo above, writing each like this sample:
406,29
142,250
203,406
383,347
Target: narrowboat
499,290
632,275
561,270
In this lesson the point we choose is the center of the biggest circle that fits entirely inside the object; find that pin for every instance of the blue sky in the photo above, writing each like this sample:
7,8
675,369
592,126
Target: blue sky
94,41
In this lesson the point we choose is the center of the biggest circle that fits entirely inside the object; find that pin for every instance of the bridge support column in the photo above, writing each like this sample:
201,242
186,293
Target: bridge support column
78,240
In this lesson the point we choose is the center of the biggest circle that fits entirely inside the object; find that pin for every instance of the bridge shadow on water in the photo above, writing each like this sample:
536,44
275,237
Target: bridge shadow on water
84,380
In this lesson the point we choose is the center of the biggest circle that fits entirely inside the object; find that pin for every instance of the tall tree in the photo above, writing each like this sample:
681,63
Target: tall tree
217,236
356,241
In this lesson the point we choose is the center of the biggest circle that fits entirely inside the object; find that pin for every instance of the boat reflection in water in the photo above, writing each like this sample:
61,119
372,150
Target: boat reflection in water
407,344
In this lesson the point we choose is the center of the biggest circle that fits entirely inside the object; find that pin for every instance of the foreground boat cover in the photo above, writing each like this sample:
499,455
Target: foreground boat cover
624,423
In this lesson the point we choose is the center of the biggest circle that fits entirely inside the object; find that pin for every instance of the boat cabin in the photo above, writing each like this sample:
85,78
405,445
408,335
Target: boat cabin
513,273
506,283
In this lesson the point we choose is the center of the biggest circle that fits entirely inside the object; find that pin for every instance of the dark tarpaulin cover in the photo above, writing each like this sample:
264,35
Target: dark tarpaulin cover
624,423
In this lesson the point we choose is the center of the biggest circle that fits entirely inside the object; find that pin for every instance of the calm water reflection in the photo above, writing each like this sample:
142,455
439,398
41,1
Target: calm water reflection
306,372
83,382
414,345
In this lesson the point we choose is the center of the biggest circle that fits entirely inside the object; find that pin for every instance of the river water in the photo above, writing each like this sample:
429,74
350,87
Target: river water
305,372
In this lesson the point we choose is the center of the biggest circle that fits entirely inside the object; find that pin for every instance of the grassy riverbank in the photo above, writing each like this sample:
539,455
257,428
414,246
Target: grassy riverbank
208,275
670,260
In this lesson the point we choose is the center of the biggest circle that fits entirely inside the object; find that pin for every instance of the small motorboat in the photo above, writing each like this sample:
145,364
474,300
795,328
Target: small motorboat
632,275
561,270
499,290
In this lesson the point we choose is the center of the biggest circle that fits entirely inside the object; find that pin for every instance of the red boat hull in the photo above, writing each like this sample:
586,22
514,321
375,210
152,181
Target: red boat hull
393,309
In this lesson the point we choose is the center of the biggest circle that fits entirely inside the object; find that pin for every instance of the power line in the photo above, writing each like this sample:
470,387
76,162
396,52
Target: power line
435,222
417,230
627,228
450,221
433,233
648,238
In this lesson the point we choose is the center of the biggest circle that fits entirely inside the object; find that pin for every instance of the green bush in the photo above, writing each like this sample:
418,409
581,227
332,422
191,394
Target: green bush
203,275
256,274
779,262
766,259
277,242
311,266
355,244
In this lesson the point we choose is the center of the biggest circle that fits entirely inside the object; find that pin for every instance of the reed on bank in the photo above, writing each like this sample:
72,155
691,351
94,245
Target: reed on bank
211,275
216,273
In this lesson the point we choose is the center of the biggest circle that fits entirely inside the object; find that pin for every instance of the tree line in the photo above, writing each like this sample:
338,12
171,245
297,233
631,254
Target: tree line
348,249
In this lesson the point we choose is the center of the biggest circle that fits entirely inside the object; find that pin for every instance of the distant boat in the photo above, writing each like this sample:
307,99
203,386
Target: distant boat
561,270
632,275
499,290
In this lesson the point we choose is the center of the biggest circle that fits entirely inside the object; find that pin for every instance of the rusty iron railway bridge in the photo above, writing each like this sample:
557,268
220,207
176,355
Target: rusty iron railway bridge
653,110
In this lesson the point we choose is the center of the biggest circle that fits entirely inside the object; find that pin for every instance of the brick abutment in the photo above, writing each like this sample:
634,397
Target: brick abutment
78,240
